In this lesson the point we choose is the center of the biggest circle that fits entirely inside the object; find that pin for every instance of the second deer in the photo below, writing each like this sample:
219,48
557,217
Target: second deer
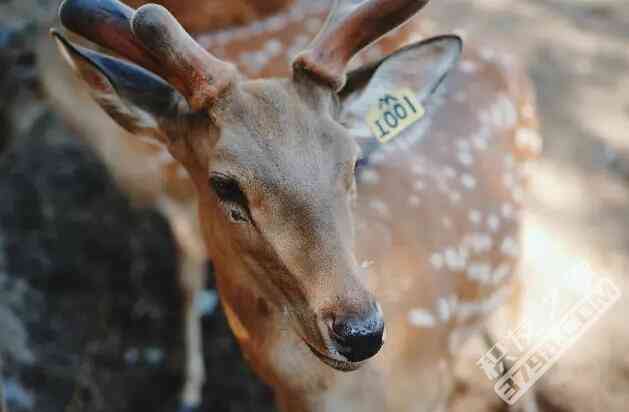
326,234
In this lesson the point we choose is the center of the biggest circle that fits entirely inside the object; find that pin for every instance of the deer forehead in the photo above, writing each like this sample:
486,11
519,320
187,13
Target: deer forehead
271,134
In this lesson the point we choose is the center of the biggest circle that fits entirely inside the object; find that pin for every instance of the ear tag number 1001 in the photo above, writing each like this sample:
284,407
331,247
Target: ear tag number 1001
393,113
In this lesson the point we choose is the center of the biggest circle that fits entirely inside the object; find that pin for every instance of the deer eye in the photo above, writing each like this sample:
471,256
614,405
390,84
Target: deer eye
231,195
237,216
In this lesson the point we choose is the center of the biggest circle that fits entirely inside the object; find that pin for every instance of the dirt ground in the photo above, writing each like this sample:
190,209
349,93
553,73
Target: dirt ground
577,53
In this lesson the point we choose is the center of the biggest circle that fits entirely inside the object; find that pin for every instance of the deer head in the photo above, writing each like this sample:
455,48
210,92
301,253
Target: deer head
273,160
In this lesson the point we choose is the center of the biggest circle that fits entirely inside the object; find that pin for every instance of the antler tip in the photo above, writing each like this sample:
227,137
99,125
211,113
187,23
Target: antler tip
154,25
151,15
68,8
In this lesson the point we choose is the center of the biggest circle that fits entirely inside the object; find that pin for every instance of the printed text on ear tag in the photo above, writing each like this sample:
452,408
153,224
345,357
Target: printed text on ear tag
393,113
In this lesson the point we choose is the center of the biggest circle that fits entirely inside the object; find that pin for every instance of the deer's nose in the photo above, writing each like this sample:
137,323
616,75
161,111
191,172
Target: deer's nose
358,337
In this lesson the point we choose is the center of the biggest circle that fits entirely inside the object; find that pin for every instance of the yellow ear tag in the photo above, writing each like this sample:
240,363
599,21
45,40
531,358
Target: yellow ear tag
393,113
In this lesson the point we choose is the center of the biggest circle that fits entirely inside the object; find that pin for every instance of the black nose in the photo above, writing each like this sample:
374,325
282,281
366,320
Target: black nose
358,337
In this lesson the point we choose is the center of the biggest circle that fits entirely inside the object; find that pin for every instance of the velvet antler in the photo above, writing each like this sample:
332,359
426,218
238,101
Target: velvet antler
152,38
351,26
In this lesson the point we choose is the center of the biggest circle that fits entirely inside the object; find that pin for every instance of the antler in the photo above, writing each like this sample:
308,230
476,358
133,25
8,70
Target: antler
152,38
351,26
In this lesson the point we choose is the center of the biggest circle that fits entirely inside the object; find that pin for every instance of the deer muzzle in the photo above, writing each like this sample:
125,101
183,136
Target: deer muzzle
358,337
351,336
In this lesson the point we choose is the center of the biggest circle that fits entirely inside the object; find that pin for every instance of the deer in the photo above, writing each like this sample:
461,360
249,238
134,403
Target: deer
355,250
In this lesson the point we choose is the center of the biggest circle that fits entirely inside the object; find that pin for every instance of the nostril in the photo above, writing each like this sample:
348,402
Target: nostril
339,330
358,338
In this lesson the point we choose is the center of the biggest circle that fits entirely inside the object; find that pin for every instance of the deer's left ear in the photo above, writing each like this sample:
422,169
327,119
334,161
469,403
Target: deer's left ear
138,100
419,68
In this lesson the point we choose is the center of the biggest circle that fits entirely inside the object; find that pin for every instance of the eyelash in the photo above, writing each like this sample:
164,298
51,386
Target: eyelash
229,192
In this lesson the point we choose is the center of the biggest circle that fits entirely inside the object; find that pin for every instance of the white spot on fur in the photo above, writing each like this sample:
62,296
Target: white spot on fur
446,307
276,23
436,260
366,263
487,54
503,113
493,222
507,210
501,272
468,181
478,272
468,66
465,158
455,259
475,216
479,242
528,139
421,318
509,247
273,47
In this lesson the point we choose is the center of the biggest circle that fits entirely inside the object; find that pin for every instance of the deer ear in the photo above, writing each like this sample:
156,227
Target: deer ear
419,68
137,99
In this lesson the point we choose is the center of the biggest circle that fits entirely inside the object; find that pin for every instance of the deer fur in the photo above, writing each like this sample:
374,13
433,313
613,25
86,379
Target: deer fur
427,226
